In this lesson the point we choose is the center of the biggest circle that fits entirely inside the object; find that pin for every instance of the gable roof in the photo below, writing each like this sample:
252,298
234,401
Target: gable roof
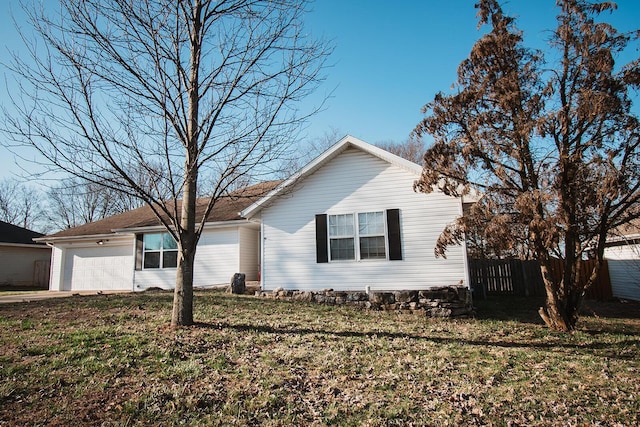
13,234
226,208
335,150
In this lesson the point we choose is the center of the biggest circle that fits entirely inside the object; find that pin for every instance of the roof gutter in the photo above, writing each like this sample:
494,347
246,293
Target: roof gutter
136,230
160,228
23,245
63,239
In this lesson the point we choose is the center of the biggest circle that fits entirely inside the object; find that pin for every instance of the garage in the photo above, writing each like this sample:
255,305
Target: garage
98,268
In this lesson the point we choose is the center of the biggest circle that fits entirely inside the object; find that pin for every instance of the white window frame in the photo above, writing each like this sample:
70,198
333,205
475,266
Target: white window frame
161,251
357,256
351,236
368,235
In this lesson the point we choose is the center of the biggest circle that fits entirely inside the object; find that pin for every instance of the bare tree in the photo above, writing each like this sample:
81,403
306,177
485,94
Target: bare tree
21,205
73,202
201,87
412,149
552,143
309,150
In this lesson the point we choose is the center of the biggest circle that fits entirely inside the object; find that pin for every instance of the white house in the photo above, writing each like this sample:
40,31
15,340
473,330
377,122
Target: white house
622,253
23,262
132,251
350,220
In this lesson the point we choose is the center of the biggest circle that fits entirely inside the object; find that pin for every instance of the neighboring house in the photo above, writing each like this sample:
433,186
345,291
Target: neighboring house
350,220
132,251
23,262
622,253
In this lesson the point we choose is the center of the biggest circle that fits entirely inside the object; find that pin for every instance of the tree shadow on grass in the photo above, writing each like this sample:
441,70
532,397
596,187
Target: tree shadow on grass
596,317
505,308
602,349
525,309
612,309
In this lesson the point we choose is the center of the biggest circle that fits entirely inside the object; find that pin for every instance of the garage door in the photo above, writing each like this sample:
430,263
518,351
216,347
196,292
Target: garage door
98,268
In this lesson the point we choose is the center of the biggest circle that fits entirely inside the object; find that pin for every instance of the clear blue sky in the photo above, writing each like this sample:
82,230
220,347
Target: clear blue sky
391,57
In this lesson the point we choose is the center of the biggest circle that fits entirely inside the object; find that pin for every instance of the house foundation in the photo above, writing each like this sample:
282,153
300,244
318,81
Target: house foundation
448,301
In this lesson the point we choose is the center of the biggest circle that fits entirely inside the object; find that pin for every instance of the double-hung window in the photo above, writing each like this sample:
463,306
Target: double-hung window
160,251
341,237
357,236
371,235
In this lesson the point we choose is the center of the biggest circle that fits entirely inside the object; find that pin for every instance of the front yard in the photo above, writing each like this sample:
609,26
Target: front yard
112,360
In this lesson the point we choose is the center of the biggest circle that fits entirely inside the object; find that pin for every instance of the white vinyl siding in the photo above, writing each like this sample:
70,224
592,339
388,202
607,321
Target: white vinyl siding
57,268
217,259
356,181
624,270
249,252
84,265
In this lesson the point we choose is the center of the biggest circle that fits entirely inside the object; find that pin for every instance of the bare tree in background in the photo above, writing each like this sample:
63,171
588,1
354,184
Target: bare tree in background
200,87
552,143
308,150
412,149
21,205
73,202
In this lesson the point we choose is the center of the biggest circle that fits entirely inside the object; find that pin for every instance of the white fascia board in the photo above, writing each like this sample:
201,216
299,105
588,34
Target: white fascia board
233,223
623,238
23,245
66,239
207,225
123,232
136,230
337,148
305,171
385,155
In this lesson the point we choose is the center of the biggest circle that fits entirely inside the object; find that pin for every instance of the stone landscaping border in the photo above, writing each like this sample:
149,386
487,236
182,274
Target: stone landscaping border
447,301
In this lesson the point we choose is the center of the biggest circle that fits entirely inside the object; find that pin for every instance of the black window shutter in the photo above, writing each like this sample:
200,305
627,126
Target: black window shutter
393,230
139,251
322,255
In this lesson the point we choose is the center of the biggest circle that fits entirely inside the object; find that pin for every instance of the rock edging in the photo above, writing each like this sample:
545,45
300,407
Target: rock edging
447,301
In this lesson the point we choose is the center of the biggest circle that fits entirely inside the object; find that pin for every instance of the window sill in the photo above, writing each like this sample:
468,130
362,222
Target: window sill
346,261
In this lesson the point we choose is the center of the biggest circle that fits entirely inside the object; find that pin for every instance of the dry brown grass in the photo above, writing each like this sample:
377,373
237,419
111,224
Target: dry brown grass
112,360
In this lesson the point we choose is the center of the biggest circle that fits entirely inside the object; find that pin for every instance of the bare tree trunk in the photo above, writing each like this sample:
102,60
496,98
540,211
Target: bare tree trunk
552,313
182,314
183,299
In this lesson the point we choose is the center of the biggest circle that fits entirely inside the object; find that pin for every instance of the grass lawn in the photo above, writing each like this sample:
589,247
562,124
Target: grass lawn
112,360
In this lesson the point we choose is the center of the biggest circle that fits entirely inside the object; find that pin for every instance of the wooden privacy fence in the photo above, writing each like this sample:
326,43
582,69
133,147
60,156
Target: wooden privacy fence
523,278
41,271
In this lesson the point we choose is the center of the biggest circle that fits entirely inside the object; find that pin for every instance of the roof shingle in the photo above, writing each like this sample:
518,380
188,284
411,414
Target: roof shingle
226,208
10,233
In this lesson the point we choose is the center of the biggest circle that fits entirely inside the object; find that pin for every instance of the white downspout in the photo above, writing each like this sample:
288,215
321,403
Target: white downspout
262,244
